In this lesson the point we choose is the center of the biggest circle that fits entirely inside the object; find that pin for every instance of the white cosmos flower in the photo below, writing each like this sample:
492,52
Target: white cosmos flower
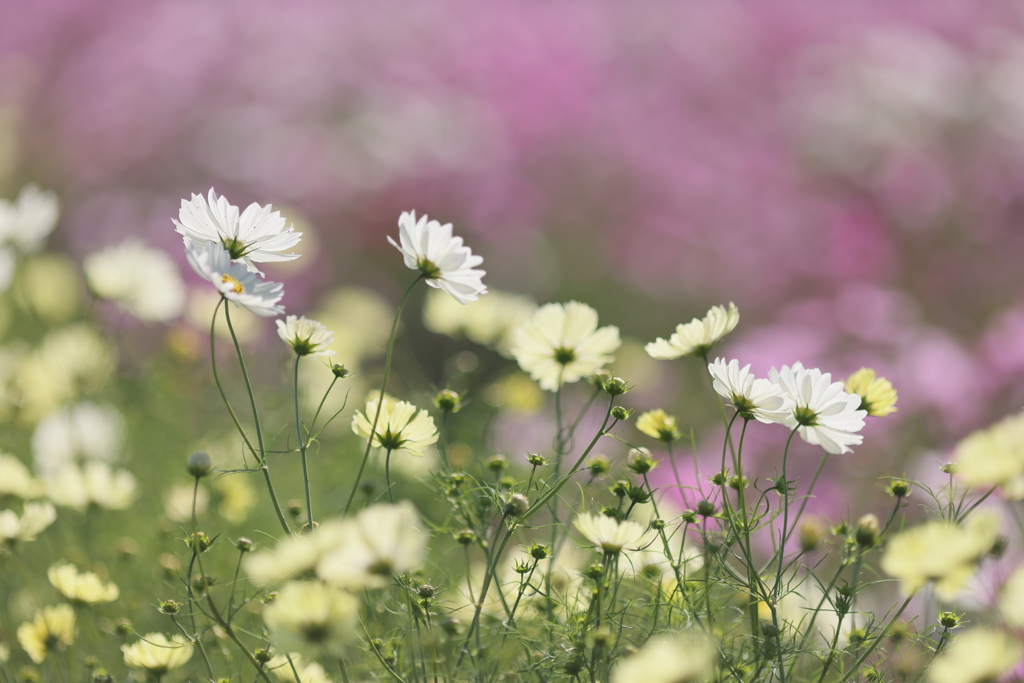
17,480
156,654
608,533
822,411
306,336
24,225
93,484
80,431
696,337
212,262
382,540
258,235
34,518
430,248
140,279
312,618
401,426
85,589
752,398
561,343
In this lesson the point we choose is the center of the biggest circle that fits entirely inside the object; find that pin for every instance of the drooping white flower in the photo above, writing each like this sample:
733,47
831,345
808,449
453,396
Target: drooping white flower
140,279
382,540
258,235
609,534
561,343
752,397
430,248
696,337
212,262
312,618
307,337
156,654
401,425
822,412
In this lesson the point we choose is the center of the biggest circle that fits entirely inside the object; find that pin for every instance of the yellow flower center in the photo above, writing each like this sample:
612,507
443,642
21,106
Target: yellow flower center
237,287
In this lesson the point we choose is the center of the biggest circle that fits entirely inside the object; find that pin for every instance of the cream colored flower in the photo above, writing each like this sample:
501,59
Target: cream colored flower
980,655
238,498
296,556
49,285
994,456
156,654
35,518
312,618
489,322
753,398
308,672
608,534
307,337
659,425
93,484
85,588
381,541
401,426
81,431
561,344
16,479
140,279
1011,599
178,502
666,658
877,395
696,337
940,552
52,629
29,220
441,259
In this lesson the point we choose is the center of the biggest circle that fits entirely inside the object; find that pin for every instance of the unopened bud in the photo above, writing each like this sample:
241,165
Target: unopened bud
448,401
199,464
244,544
517,505
867,531
899,488
340,371
641,461
811,533
620,413
497,463
705,508
536,459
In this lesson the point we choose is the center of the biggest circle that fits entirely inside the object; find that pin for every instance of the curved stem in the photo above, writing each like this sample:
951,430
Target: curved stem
380,400
220,388
302,448
387,476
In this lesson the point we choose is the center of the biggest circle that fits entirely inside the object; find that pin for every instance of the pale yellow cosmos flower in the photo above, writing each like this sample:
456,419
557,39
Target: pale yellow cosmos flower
52,629
156,654
85,588
877,395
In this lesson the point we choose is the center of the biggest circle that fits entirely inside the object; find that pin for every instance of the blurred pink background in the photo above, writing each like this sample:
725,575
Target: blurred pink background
850,174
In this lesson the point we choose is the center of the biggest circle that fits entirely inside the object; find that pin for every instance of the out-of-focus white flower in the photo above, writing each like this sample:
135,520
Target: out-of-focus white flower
401,426
821,410
34,518
24,226
666,658
92,484
561,343
1011,599
752,398
978,656
296,556
490,322
140,279
86,588
696,337
68,362
236,284
313,619
307,337
381,541
156,654
83,431
258,235
609,534
994,456
49,285
238,498
308,672
17,480
52,629
444,262
178,502
940,552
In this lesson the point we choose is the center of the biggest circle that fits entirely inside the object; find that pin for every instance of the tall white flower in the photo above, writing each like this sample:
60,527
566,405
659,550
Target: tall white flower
430,248
752,397
381,541
213,263
609,534
307,337
140,279
258,235
822,411
696,337
401,425
561,343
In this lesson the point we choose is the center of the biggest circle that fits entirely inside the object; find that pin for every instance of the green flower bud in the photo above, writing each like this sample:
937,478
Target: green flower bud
621,414
641,461
244,544
599,466
536,459
540,552
448,401
899,488
262,655
169,607
705,508
497,463
867,531
517,505
199,464
340,371
465,537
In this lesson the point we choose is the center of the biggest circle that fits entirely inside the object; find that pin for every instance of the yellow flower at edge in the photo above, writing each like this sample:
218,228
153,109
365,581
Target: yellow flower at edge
53,628
659,425
994,456
877,395
978,656
85,588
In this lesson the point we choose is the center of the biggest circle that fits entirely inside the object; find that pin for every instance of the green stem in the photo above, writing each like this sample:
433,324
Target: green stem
256,419
380,400
387,476
302,448
874,643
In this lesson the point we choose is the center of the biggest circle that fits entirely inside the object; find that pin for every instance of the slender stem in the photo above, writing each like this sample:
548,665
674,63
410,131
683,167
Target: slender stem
380,400
259,431
387,476
867,652
220,388
302,448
